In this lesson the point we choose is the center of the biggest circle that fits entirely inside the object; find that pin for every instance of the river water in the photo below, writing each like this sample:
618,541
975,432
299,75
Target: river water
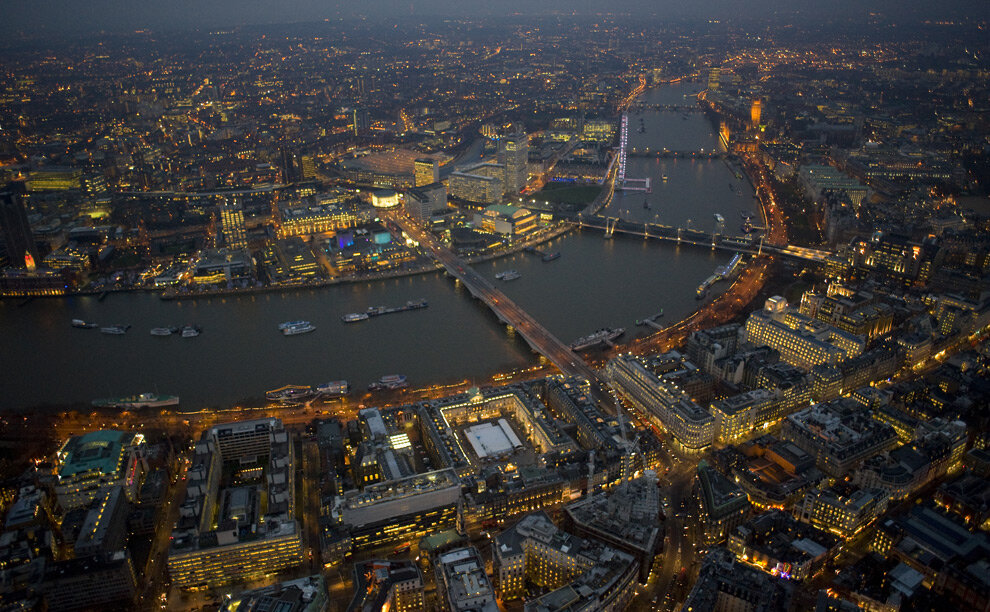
597,282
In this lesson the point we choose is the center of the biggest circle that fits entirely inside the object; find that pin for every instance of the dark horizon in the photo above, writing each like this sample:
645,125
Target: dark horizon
63,17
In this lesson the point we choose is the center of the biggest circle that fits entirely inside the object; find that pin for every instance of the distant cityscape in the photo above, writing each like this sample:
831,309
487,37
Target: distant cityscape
813,435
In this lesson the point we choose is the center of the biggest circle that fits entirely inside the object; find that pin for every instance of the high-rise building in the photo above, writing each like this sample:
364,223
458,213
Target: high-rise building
17,236
478,183
714,73
514,155
232,224
755,111
426,170
422,202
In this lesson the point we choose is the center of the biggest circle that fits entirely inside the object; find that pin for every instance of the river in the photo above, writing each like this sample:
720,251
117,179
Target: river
597,282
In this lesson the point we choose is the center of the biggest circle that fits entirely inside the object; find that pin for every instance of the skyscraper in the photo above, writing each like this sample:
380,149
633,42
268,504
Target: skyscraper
232,224
514,155
427,171
17,236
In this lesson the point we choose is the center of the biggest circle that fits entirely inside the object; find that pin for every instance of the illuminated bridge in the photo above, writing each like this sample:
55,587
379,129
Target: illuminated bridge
674,108
537,336
739,244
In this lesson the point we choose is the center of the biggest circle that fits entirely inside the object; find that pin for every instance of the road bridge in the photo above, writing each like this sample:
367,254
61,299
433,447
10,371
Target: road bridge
674,108
537,336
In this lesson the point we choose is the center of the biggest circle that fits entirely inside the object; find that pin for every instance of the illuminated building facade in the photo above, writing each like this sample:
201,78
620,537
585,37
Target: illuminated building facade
426,171
483,183
843,510
691,426
232,224
402,510
582,573
89,465
801,340
506,220
224,532
513,154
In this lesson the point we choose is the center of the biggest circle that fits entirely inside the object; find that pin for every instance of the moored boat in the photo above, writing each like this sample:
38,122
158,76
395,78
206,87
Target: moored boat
143,400
289,393
83,324
191,331
389,382
606,334
115,330
300,327
334,388
354,317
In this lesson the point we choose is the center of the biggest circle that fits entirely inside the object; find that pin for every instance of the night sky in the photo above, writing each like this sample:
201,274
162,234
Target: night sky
38,16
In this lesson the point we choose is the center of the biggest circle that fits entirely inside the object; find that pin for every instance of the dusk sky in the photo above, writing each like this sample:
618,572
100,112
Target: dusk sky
73,15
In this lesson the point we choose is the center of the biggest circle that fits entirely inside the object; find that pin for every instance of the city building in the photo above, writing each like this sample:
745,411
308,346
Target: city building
232,224
426,171
740,416
398,511
506,220
772,472
581,574
481,183
303,595
384,198
221,267
237,523
421,203
690,425
18,240
725,583
462,584
513,155
722,504
842,509
320,216
104,531
840,435
778,544
802,341
627,518
90,584
387,585
88,466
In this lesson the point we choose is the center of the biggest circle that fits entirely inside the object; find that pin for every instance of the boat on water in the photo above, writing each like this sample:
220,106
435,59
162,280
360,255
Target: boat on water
83,324
389,382
354,317
191,331
163,331
551,256
288,324
289,393
606,334
508,275
334,388
301,327
143,400
115,330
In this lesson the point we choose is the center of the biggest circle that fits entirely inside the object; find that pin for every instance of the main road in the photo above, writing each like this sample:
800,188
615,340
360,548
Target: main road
537,336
